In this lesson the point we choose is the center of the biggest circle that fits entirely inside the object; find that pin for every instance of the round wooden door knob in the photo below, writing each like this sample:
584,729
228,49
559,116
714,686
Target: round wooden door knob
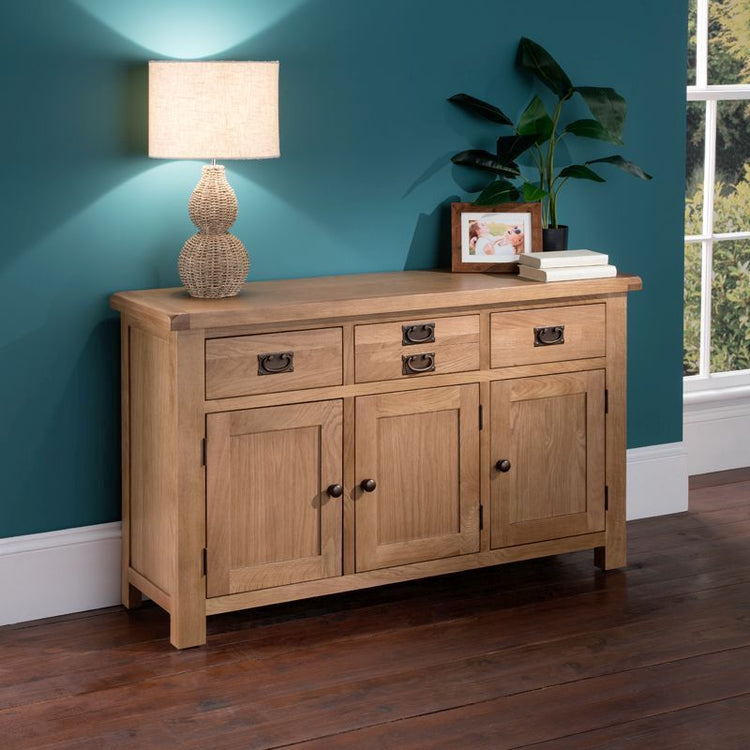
503,465
335,490
368,485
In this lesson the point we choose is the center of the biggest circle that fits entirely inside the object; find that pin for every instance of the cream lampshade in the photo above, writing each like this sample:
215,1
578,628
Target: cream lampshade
213,110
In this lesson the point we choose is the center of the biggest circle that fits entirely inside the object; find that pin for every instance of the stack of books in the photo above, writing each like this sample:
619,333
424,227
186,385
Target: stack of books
565,265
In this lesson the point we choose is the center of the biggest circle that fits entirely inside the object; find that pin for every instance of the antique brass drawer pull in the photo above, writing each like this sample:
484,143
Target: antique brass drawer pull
421,333
276,363
415,364
549,335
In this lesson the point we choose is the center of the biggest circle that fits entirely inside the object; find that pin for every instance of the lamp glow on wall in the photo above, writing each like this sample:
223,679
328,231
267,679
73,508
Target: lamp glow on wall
213,110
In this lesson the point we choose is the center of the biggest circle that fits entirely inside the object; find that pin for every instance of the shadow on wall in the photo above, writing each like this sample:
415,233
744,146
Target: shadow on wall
432,231
135,117
64,155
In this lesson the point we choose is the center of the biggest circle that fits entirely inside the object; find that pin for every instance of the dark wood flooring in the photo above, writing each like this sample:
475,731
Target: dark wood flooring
547,654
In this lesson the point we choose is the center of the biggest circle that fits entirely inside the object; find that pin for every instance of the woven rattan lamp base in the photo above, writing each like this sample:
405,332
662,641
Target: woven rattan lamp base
212,266
213,263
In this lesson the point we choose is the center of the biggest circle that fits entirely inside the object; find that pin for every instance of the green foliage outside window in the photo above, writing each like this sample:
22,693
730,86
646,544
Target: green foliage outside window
730,310
728,63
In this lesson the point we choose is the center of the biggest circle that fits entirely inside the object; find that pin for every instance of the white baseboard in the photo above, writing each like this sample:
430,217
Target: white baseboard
74,570
715,430
657,480
43,575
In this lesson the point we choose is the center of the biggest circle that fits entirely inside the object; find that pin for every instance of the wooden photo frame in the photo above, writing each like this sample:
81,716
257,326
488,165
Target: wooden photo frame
490,238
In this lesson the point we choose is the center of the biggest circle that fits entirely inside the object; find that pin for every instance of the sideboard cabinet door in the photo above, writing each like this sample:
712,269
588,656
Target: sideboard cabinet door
547,457
270,519
421,450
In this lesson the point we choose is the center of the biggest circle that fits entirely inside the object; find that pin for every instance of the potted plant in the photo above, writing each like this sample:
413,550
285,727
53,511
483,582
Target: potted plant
539,133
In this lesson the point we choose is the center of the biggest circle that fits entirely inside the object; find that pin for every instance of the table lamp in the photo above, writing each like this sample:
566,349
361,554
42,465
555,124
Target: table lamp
213,110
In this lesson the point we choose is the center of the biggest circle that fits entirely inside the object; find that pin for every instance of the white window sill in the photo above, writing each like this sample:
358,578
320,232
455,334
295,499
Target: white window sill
722,389
729,397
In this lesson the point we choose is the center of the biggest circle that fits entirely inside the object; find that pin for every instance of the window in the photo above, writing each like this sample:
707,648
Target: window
717,203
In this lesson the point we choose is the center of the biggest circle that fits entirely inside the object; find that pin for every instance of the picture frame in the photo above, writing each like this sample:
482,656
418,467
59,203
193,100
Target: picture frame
488,239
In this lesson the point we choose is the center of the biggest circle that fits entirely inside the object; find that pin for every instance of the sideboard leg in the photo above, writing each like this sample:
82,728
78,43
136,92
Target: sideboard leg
188,606
131,596
609,560
187,629
614,552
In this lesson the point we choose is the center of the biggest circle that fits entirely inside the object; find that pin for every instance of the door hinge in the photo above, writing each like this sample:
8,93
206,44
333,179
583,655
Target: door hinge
203,452
481,517
481,420
205,561
606,401
606,497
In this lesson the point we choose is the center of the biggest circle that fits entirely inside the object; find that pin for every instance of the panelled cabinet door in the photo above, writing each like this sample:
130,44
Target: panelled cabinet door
547,450
421,449
270,520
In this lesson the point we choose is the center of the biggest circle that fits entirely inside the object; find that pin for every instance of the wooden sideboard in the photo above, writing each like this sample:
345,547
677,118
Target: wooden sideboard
320,435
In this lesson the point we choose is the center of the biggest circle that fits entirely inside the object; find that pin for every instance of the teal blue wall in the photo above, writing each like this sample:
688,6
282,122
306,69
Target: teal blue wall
362,185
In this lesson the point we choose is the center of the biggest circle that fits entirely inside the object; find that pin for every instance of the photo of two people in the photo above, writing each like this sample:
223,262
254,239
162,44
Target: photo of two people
495,238
489,236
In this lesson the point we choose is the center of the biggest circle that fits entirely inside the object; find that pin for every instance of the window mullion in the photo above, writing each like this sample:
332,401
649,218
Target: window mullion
709,181
701,44
704,366
709,170
722,92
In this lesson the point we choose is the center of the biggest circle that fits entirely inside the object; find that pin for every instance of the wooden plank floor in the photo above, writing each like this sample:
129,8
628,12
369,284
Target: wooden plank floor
549,653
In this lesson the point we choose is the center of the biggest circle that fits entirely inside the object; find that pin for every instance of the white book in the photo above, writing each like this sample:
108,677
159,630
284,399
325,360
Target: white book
566,274
562,258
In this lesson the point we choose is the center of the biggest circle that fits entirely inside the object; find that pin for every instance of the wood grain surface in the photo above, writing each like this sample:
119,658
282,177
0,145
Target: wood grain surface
551,429
152,501
379,348
422,448
513,335
232,366
350,296
270,519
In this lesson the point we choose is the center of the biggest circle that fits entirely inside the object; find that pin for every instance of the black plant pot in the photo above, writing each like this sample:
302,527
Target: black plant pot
555,238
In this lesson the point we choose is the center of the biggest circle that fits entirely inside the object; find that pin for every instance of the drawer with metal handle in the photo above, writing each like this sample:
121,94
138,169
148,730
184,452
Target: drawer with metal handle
527,337
273,362
413,348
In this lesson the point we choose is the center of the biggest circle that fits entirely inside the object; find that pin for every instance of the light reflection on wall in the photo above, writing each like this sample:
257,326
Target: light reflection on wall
188,29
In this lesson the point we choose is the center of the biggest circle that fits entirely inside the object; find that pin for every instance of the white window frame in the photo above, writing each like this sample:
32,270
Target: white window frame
706,386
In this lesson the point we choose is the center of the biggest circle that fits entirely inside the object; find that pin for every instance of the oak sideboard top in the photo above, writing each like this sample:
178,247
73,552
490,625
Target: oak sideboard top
353,296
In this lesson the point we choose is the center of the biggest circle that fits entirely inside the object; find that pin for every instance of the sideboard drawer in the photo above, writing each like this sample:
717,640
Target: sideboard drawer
529,337
409,348
273,362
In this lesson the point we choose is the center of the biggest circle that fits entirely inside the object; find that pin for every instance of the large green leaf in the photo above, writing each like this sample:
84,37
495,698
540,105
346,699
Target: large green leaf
624,164
581,172
486,160
535,58
591,129
607,106
510,147
535,121
478,107
532,192
499,191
